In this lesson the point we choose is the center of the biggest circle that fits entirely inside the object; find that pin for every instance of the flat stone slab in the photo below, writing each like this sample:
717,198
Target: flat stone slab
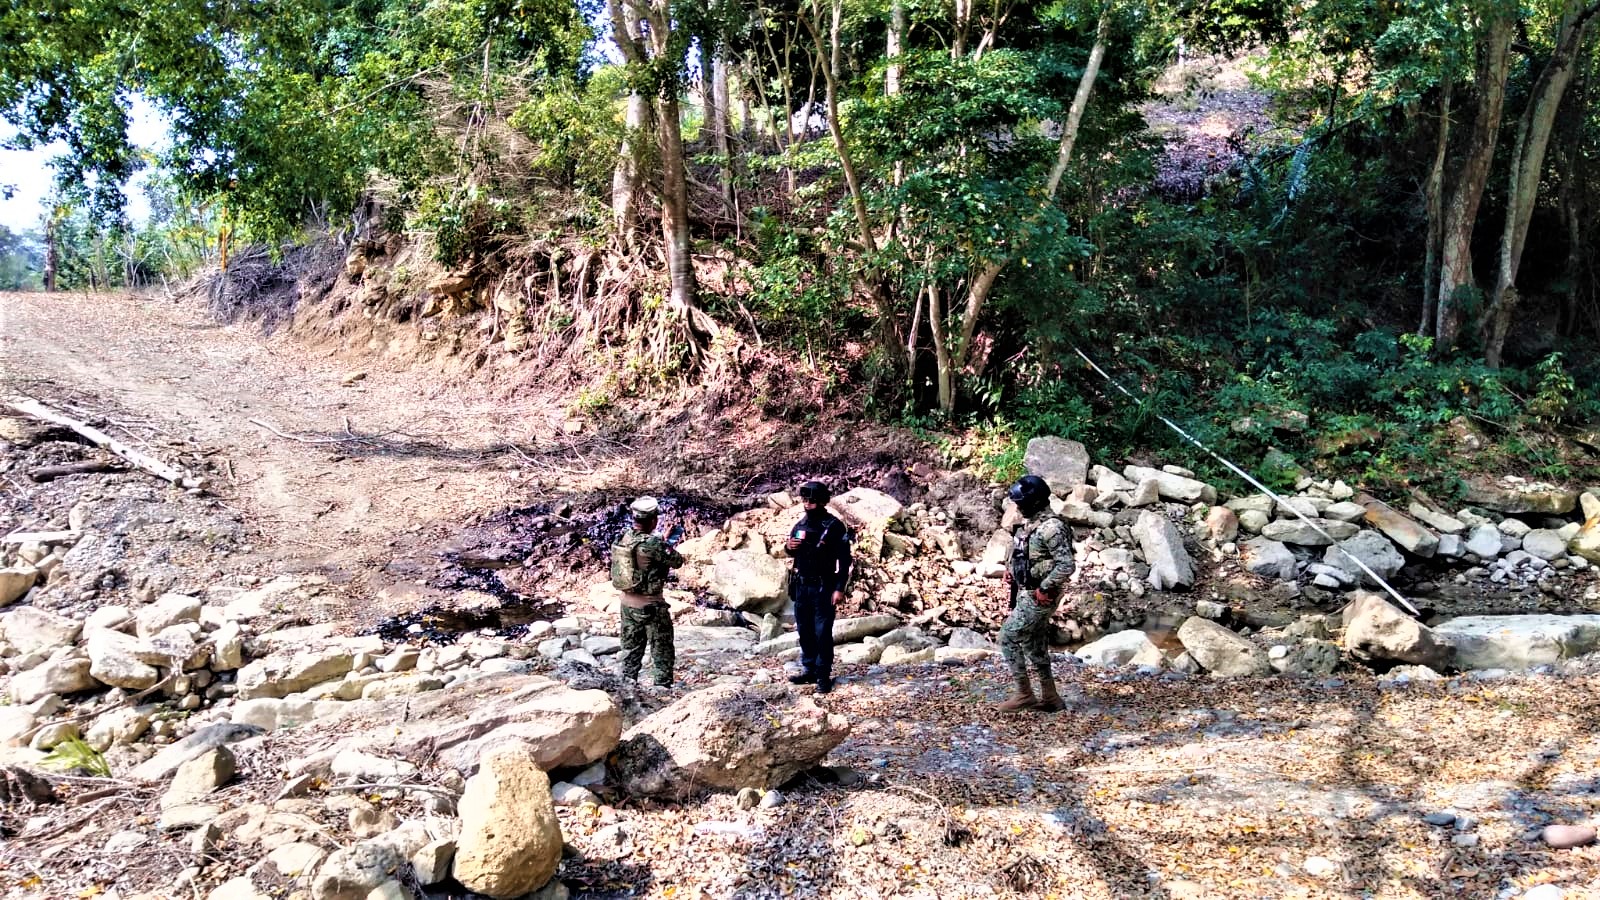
1519,642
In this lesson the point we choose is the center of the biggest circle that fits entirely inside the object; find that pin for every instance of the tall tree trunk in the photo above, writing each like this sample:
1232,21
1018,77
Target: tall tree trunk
1461,213
675,204
1527,165
895,48
872,280
1435,192
720,130
983,283
51,254
625,178
945,365
1573,180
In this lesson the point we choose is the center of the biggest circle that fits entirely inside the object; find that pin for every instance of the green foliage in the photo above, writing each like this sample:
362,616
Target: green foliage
73,755
21,259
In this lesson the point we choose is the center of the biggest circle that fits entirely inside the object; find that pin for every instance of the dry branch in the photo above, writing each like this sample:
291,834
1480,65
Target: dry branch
148,463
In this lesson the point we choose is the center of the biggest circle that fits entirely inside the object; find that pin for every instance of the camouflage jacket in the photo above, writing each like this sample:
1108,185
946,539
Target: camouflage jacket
1045,541
654,556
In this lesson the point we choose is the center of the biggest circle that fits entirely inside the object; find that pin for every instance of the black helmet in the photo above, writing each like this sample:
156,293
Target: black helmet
1030,494
816,492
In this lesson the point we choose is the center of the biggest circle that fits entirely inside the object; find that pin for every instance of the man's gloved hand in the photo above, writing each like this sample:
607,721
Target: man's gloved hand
1042,598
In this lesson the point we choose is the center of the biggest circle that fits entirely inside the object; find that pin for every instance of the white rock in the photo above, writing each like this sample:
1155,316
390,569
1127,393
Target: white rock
1545,544
1219,650
358,766
1268,558
56,675
30,629
168,610
1124,648
15,582
1519,642
1514,527
114,660
1170,564
1484,542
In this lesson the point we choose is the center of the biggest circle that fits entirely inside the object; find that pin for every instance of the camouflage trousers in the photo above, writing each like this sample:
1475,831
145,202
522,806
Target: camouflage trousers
652,625
1025,638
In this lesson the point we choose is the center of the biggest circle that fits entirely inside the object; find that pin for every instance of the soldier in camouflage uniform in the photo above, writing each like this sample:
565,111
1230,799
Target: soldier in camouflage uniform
639,563
1041,560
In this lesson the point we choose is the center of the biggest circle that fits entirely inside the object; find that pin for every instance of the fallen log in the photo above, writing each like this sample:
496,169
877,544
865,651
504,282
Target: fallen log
88,466
144,461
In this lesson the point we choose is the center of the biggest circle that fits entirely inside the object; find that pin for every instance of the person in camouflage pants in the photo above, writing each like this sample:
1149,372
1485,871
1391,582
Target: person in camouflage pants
646,620
1041,560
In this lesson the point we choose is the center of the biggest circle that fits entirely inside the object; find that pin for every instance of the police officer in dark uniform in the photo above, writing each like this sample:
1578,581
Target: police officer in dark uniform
820,545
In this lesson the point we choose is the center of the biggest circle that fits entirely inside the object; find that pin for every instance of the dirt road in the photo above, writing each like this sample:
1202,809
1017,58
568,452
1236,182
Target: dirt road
431,453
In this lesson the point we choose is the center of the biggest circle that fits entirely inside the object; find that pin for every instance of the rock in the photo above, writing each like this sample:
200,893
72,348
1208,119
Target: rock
1173,487
30,629
199,777
1412,673
1543,892
113,660
169,609
771,800
1311,657
356,871
431,864
749,581
15,721
1519,497
869,514
846,631
1519,642
1268,558
197,743
1252,521
273,713
1370,548
1063,464
240,888
57,675
858,655
1565,837
958,656
1484,542
1170,564
280,676
602,645
1451,546
1545,543
1222,524
510,841
1438,521
1377,630
565,794
1588,502
357,766
727,737
187,815
1321,867
693,640
1124,648
15,581
559,726
1586,544
1261,503
906,655
1344,511
1220,650
747,798
967,639
1209,609
1295,531
1400,529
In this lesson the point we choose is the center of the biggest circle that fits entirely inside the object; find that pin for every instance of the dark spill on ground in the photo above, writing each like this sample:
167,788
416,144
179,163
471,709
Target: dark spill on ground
508,567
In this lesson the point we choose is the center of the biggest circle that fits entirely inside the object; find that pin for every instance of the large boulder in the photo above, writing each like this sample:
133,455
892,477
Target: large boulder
690,640
1400,529
1519,642
169,609
1219,650
555,724
1376,630
725,737
114,660
510,840
1545,543
285,674
30,629
1125,648
1170,564
1586,543
1308,657
1171,486
1372,549
1268,558
1484,542
749,581
1518,496
1307,534
869,514
15,581
1063,464
60,674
